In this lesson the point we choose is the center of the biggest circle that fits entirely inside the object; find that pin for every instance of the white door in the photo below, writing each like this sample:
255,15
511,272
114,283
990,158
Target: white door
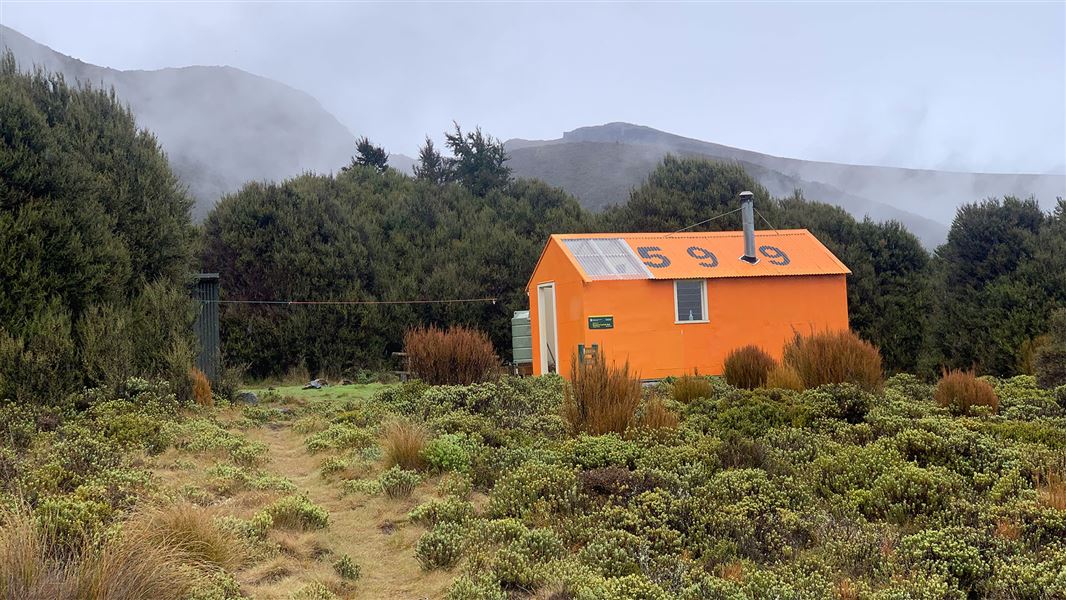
549,331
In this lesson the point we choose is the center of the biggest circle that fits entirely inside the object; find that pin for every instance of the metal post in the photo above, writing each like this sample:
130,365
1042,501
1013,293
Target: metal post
209,357
747,205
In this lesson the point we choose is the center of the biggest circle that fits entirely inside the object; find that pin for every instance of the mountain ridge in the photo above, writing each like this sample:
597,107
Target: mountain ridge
881,193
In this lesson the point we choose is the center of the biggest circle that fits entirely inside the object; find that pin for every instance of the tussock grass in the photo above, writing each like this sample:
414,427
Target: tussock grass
835,357
141,561
690,387
960,391
192,530
1051,488
201,388
784,377
747,367
403,445
454,356
600,398
657,416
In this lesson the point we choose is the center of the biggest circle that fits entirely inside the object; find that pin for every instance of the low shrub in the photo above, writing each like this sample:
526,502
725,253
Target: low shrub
398,483
595,451
438,511
687,388
454,356
201,388
297,512
314,591
441,547
600,398
960,391
534,487
346,568
1049,364
784,377
747,367
339,436
947,551
447,453
835,357
404,443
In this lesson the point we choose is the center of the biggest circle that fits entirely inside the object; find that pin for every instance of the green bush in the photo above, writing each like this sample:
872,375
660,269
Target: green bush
346,568
613,553
534,487
441,547
297,512
340,437
843,401
479,586
398,483
946,552
597,451
438,511
447,453
905,492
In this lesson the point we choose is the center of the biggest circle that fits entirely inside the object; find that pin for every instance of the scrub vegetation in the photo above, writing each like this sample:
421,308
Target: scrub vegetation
126,474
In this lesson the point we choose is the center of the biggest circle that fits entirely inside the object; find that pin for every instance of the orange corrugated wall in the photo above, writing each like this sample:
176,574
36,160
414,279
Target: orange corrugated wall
765,311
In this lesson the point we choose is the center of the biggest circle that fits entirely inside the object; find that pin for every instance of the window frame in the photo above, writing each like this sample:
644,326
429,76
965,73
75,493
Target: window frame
703,303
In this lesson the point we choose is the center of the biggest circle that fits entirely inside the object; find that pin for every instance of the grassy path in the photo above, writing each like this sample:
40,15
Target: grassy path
372,530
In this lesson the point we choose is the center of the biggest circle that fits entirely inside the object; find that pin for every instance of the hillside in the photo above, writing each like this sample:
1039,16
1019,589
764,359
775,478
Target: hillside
220,126
601,164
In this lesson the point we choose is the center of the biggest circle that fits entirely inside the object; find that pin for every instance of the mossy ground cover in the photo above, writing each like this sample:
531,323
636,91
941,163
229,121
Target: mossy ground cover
828,493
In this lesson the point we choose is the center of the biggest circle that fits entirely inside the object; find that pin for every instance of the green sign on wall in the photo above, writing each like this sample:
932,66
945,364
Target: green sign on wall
601,322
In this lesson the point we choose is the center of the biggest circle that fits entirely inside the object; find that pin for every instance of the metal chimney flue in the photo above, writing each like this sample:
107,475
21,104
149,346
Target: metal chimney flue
747,211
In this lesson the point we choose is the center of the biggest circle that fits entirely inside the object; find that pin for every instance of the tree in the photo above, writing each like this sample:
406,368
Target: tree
478,161
988,289
1050,359
90,215
432,167
369,155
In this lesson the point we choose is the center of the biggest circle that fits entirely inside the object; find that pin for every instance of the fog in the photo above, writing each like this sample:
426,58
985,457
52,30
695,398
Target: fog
972,87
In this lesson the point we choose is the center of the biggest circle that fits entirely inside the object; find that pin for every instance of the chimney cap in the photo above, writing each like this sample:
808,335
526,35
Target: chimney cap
746,195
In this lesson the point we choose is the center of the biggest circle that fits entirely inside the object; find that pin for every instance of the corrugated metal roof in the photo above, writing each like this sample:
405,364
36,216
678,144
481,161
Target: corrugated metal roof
699,255
606,258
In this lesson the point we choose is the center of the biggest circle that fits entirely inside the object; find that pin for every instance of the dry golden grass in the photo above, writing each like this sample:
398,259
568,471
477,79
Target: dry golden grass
299,545
201,388
454,356
600,398
192,530
690,387
1051,487
747,367
733,571
835,357
132,565
960,391
657,416
846,589
784,377
403,445
1008,530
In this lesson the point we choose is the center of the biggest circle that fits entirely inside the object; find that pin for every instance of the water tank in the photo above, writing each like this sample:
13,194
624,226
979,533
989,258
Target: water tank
521,338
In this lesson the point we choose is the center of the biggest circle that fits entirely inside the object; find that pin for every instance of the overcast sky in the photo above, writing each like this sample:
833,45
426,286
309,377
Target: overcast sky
962,86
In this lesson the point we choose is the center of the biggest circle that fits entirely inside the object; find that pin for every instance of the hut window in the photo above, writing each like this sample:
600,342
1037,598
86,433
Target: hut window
690,300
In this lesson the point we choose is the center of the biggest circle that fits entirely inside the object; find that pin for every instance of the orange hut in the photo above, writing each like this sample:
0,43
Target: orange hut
676,303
